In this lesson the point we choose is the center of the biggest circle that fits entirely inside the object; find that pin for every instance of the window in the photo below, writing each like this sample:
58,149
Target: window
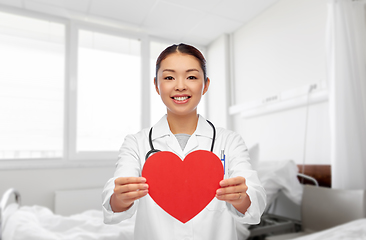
32,79
32,92
108,91
157,107
103,101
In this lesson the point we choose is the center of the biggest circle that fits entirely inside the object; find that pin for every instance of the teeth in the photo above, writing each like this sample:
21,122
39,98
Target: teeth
180,98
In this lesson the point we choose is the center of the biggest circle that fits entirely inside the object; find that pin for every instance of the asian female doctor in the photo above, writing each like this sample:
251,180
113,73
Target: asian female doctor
181,81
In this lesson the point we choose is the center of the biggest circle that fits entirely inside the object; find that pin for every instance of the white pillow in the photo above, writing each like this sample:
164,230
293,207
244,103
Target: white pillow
280,175
254,154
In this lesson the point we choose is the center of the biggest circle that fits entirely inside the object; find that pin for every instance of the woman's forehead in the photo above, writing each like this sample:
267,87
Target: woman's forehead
180,61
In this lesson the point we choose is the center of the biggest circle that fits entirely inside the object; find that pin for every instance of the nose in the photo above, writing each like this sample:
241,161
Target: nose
180,84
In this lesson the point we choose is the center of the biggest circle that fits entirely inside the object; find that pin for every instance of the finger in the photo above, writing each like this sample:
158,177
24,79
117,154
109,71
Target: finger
127,180
232,181
232,189
133,187
230,197
132,196
130,188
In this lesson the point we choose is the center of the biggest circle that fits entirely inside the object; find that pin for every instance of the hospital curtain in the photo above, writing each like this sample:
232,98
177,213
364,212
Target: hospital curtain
346,58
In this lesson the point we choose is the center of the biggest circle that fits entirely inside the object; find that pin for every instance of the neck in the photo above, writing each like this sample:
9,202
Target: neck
182,124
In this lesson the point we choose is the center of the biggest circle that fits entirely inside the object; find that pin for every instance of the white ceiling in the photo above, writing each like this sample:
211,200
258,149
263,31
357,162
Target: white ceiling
193,21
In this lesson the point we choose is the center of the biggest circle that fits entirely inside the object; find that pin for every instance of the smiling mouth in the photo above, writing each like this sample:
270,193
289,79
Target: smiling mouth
181,98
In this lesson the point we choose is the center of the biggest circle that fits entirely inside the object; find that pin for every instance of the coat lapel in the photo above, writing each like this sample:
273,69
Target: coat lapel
192,144
203,130
162,131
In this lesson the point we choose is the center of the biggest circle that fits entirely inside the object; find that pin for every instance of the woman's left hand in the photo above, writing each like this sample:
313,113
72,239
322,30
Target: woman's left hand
234,191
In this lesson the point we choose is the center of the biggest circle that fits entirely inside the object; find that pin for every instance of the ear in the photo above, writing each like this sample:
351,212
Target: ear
207,84
156,86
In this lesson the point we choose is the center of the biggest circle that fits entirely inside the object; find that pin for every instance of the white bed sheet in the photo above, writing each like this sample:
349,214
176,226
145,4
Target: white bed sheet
40,223
355,230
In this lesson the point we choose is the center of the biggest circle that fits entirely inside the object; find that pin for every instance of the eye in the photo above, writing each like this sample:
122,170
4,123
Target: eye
169,78
192,77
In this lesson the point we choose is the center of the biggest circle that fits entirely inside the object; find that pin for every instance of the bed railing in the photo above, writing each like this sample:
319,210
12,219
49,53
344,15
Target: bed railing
4,201
308,178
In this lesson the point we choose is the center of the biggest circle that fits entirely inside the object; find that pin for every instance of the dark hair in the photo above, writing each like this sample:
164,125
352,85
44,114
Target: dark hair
182,48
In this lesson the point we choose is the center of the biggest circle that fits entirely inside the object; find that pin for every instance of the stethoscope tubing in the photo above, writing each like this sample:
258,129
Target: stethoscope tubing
153,150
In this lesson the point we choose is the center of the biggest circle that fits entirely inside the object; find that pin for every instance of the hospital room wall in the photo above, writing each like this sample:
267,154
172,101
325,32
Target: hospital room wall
217,101
283,49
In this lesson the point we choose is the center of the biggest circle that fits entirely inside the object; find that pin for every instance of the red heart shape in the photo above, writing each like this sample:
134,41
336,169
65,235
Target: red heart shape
183,188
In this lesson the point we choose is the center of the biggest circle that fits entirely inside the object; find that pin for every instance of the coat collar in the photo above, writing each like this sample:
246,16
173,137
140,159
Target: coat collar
161,128
203,128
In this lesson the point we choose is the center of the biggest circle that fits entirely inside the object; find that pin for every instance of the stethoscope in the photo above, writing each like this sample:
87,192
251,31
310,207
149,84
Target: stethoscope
153,150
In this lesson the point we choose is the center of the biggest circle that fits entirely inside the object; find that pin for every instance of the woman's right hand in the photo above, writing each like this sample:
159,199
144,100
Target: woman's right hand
126,191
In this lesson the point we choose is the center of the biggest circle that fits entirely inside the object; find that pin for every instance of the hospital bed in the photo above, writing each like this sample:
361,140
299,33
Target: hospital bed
355,229
325,214
40,223
37,222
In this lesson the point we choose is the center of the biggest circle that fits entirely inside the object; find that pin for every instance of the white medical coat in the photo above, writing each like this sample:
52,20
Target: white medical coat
218,220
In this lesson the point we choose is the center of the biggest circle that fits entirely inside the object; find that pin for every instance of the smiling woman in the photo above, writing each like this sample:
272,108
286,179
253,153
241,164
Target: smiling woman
181,86
239,198
158,109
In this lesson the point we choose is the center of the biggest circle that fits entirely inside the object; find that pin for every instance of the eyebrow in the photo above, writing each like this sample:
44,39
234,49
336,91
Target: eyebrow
189,70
